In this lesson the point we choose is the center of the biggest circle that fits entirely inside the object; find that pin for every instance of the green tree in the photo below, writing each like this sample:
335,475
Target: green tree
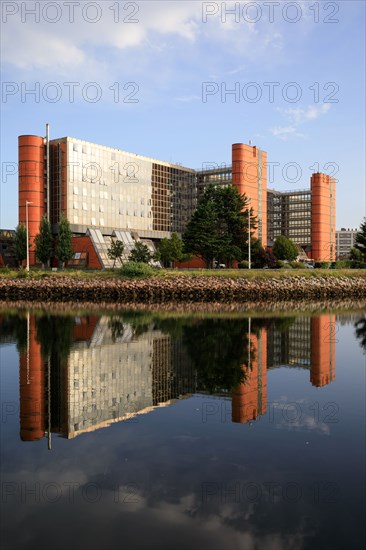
21,243
218,228
140,253
64,251
43,242
361,238
285,249
115,251
171,250
355,254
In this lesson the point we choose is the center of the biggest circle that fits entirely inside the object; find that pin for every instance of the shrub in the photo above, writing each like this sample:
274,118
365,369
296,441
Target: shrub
22,274
282,265
243,264
321,265
136,269
297,265
342,264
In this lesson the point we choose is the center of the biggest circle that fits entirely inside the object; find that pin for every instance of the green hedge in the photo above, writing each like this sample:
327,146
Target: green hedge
297,265
136,269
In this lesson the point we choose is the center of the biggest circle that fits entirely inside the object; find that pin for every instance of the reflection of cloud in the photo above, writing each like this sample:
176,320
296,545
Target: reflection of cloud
288,419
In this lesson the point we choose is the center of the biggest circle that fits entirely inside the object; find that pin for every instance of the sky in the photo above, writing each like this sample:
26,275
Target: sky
181,81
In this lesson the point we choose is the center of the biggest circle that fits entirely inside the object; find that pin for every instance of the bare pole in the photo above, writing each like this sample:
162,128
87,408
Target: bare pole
249,243
49,403
27,231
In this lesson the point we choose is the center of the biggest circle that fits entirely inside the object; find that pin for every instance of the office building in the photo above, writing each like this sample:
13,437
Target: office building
108,194
345,241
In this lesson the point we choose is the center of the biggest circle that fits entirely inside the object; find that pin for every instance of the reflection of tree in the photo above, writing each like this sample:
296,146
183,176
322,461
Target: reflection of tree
139,321
54,333
281,324
14,327
360,331
218,349
116,326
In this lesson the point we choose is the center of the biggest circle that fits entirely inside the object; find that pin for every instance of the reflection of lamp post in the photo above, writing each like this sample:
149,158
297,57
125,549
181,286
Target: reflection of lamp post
28,331
249,246
27,229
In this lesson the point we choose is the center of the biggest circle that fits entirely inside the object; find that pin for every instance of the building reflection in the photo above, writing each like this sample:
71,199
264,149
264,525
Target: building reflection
308,343
114,371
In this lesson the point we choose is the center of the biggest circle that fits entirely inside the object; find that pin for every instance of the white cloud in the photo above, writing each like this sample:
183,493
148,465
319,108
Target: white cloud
296,118
153,42
299,116
284,132
189,98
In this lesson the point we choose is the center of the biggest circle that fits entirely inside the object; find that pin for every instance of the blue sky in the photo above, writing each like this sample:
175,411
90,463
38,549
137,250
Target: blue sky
153,78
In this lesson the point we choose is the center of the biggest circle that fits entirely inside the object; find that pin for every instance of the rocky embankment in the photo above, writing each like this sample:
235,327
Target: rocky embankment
181,289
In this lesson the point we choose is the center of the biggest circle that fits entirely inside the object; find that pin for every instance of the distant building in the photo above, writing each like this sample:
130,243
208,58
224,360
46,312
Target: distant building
109,194
345,240
7,248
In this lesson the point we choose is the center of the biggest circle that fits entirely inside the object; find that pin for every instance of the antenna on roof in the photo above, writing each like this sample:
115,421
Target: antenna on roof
250,142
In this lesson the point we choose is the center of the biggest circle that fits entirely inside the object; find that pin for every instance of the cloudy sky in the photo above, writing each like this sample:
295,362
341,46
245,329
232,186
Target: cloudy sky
181,81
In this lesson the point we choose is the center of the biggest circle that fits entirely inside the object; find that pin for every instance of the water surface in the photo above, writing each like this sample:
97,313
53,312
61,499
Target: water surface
147,430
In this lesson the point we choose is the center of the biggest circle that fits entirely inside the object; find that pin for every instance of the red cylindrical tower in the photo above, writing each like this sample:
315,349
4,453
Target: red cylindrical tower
31,185
323,217
32,388
249,176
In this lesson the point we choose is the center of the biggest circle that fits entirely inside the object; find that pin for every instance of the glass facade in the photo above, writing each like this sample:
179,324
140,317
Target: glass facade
108,189
289,214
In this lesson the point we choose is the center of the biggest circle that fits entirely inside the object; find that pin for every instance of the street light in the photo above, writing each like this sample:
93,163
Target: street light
249,246
27,229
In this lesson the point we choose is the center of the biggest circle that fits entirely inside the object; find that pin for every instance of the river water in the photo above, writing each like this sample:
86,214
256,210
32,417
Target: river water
160,430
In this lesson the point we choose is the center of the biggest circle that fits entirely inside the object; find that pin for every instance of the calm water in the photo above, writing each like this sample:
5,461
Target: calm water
148,431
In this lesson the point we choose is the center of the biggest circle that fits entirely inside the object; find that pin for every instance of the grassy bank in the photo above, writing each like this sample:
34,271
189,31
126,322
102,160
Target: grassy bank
192,286
252,274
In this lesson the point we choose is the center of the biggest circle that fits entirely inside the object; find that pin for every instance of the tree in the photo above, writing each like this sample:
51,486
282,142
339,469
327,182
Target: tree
171,250
43,241
140,253
21,243
115,251
355,254
218,228
361,238
285,249
64,251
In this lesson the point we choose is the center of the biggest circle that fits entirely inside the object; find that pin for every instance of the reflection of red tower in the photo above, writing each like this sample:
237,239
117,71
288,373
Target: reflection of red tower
32,388
249,399
31,185
249,176
323,362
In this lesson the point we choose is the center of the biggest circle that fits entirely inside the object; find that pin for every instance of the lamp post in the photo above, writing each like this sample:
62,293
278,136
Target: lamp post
249,244
27,230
